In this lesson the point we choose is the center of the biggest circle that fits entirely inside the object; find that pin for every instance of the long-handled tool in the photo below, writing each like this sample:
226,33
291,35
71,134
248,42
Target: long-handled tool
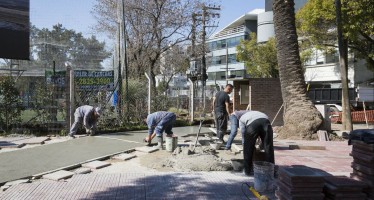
257,195
202,118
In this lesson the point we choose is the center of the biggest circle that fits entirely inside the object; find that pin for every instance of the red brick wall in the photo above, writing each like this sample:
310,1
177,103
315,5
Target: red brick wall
265,96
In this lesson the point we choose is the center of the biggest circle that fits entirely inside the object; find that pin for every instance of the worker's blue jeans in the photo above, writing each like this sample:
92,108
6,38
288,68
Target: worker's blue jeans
234,123
166,124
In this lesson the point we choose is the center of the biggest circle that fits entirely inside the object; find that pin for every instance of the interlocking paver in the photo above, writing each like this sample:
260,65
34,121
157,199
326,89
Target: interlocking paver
96,164
204,185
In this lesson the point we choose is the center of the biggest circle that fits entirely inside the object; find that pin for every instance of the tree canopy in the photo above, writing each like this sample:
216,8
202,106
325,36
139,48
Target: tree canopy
260,59
61,45
151,28
316,22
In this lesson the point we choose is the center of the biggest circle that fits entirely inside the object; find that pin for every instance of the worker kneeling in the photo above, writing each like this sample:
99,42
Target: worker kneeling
256,124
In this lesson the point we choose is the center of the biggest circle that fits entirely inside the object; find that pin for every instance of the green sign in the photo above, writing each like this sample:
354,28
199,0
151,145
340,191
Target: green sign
94,80
58,78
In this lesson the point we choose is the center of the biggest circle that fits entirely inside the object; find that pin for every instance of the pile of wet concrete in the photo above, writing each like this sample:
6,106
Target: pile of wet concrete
200,158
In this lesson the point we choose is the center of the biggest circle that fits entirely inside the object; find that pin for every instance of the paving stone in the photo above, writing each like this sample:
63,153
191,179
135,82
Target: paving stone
283,195
146,149
33,140
305,147
367,158
362,168
96,164
297,190
4,187
17,182
6,144
237,147
56,176
82,170
124,156
362,145
301,175
337,184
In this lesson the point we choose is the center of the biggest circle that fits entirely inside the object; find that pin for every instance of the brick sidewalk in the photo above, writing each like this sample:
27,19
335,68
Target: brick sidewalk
182,185
204,185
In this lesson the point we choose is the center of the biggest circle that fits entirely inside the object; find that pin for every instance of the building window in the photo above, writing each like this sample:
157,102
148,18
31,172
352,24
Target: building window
244,94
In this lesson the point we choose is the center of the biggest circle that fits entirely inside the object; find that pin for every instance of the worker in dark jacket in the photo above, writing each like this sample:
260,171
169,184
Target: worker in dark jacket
256,124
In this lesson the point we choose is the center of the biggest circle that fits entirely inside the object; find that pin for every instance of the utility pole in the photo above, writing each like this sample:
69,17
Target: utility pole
119,91
204,76
125,59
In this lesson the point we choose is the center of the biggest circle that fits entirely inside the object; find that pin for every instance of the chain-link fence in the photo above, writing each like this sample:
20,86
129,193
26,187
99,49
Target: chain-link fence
47,102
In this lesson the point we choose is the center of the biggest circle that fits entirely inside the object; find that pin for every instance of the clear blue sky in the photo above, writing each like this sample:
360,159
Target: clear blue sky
76,14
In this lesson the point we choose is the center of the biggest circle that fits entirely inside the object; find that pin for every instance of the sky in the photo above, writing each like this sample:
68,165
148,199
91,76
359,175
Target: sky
76,14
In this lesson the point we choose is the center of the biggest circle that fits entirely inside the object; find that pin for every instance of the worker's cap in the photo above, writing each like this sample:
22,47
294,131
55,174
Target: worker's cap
98,111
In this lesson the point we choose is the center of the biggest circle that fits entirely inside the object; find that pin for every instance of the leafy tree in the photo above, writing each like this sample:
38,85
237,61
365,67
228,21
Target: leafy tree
260,59
349,24
10,103
152,28
317,23
301,118
61,45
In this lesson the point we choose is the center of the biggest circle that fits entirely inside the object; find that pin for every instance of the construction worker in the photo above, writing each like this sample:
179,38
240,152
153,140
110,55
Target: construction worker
256,124
157,123
234,124
221,104
88,116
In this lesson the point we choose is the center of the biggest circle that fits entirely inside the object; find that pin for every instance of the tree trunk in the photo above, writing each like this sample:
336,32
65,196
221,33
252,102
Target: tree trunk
301,118
343,63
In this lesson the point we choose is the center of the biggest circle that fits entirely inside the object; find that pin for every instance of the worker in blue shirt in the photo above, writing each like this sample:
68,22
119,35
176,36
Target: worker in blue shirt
88,116
157,123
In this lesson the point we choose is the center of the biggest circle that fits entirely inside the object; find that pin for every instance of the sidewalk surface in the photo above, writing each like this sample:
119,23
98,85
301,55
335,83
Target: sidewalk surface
31,161
131,180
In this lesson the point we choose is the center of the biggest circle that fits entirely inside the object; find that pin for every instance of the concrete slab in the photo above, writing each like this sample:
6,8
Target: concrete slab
56,176
306,147
60,155
146,149
124,156
82,170
6,144
4,187
10,183
33,140
336,184
12,139
237,147
96,164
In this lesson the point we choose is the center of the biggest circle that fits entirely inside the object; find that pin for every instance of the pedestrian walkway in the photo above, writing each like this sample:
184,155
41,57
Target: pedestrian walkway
134,186
28,162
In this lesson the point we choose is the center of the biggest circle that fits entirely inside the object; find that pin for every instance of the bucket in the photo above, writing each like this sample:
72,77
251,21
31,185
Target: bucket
171,143
263,173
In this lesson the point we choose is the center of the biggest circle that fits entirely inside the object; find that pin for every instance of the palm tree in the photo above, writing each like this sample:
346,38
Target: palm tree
301,118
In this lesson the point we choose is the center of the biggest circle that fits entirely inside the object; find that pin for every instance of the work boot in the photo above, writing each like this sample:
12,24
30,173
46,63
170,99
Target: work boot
159,142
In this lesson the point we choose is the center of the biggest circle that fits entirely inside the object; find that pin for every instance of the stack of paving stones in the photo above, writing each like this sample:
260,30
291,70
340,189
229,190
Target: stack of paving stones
363,165
343,188
299,183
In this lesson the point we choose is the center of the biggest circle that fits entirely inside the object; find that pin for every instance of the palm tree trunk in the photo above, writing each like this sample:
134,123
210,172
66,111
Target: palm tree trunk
301,118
